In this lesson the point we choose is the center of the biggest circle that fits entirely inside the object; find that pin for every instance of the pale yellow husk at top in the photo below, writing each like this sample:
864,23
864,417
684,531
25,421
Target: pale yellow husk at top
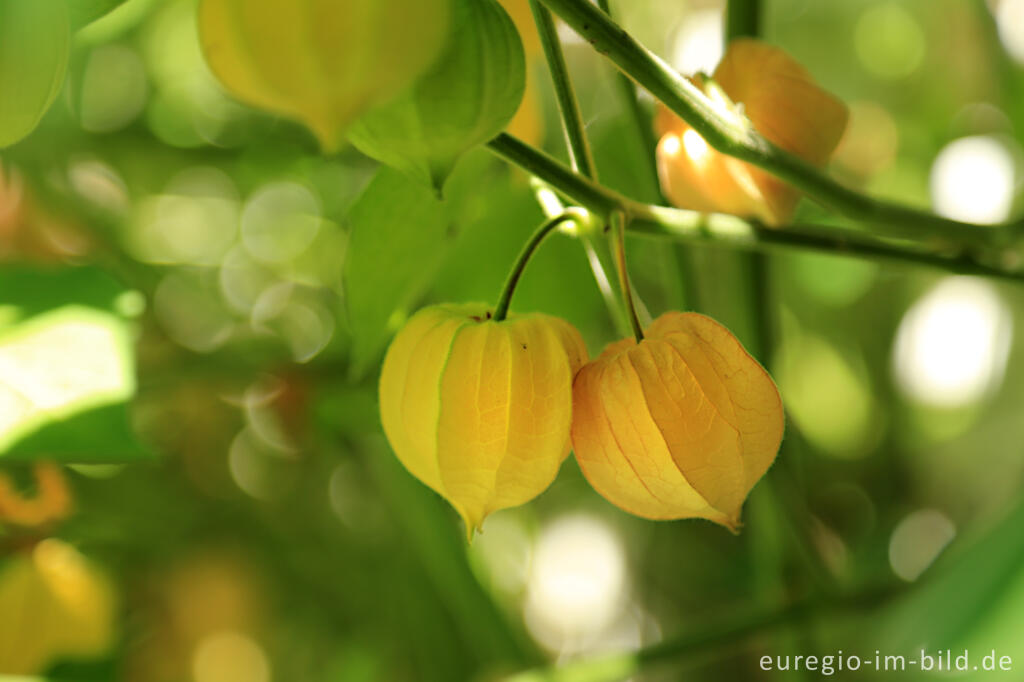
680,425
784,104
480,410
322,62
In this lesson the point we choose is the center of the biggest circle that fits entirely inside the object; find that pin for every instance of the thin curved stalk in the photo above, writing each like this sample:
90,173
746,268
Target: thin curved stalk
546,228
617,222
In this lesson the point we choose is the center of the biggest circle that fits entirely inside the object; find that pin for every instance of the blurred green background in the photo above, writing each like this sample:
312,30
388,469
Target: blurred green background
194,304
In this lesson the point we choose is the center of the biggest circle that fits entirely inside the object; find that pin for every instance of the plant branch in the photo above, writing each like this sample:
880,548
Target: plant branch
688,102
966,256
742,18
580,156
568,106
639,120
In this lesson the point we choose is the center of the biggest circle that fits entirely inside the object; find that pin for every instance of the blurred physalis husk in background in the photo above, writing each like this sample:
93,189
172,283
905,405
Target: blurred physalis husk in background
205,613
56,605
29,232
51,502
756,84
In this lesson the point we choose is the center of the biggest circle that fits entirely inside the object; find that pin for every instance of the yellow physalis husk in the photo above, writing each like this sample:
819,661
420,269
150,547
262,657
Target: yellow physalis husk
680,425
480,410
322,62
56,606
780,99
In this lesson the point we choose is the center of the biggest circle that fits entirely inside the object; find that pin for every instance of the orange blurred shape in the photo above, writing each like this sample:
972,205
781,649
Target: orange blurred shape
522,16
780,99
55,605
870,142
528,123
52,501
28,232
203,596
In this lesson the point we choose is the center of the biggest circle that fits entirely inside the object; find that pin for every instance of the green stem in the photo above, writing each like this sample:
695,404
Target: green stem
966,256
501,310
618,224
572,120
580,156
688,102
640,121
592,196
742,18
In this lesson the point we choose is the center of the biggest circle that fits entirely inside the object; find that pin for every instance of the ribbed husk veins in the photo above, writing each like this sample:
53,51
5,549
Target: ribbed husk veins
53,605
35,38
467,97
680,425
480,410
322,62
784,104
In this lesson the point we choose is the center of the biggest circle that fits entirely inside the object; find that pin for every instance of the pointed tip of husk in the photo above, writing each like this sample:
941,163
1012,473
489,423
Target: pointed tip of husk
330,140
731,521
472,525
734,525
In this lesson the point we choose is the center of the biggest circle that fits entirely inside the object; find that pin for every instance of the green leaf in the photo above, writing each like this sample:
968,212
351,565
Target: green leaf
103,435
397,241
465,99
35,38
25,292
967,585
66,366
84,12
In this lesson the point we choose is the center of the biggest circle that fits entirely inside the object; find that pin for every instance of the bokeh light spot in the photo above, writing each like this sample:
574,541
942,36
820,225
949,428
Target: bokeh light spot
697,45
577,581
113,89
229,657
280,221
194,221
1010,20
952,344
917,542
191,313
972,179
828,398
889,41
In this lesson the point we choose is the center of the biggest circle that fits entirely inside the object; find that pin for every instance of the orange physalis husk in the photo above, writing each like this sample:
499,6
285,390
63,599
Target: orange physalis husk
477,409
680,425
779,97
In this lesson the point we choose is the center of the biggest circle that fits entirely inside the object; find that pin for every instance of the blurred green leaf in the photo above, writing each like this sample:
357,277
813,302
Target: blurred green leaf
397,241
99,436
84,12
34,44
962,589
67,366
33,290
